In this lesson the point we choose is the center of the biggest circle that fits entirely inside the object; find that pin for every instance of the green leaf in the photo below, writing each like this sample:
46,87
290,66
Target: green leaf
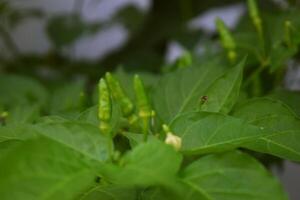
230,176
110,192
224,92
18,132
90,115
148,164
18,90
134,138
276,118
290,98
23,114
68,100
180,91
80,136
42,169
204,132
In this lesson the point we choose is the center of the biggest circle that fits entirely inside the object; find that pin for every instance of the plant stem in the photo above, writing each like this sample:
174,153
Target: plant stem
254,75
9,42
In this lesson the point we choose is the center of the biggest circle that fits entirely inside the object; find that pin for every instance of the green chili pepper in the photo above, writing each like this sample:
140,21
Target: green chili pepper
226,39
287,33
145,112
118,94
254,14
104,112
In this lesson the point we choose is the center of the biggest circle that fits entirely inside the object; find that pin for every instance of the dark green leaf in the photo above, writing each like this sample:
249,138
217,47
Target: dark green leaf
68,100
17,90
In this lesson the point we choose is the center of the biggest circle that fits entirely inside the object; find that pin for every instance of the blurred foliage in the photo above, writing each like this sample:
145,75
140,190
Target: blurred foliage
54,87
150,32
64,30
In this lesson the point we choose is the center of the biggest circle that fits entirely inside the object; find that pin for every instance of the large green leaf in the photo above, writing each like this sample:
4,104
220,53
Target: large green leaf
277,119
180,91
148,164
224,92
230,176
42,169
204,132
80,136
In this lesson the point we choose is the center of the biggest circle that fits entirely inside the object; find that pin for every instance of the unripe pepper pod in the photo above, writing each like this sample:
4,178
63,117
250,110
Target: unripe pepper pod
144,109
227,40
104,112
254,14
287,33
141,97
119,95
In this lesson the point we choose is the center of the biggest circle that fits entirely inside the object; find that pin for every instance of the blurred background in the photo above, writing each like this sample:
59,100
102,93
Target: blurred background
81,39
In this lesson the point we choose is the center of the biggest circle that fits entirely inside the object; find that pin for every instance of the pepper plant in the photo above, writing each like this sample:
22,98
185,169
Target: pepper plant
203,129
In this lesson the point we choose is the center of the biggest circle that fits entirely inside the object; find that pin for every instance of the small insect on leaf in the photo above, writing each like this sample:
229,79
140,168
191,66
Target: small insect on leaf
203,99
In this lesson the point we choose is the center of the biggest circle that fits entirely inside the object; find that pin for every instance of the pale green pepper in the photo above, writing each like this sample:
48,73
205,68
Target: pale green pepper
287,33
144,109
119,95
105,110
254,14
227,40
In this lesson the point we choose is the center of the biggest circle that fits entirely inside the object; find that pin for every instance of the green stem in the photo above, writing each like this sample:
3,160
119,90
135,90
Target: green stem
253,76
110,145
9,42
